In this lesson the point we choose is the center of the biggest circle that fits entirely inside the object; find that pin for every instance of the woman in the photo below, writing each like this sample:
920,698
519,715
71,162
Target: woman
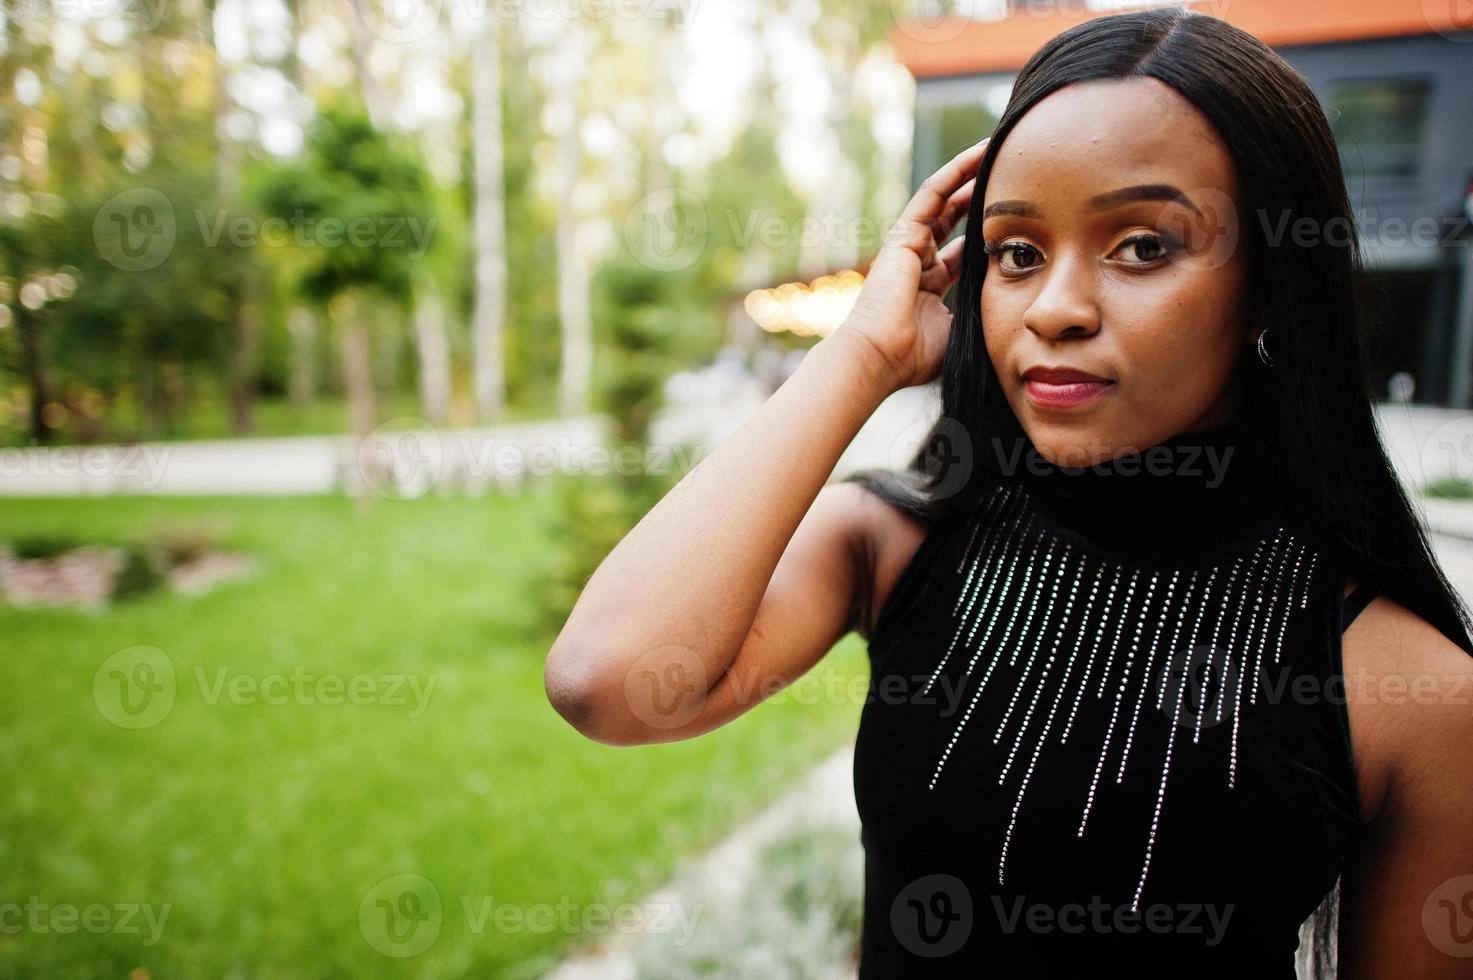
1118,716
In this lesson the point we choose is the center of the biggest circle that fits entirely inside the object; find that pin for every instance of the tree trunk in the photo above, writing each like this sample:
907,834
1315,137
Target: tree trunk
247,331
33,364
489,316
576,372
302,376
352,331
434,351
357,365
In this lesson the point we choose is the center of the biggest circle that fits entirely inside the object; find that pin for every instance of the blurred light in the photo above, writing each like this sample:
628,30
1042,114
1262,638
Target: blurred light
806,309
282,137
32,295
137,155
6,317
600,136
10,167
176,57
680,150
27,87
33,145
93,405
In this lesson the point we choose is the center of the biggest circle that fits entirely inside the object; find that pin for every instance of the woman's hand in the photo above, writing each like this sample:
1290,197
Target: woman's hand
899,311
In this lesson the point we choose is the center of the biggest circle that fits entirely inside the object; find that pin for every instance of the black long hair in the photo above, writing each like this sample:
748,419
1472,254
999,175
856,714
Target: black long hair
1312,412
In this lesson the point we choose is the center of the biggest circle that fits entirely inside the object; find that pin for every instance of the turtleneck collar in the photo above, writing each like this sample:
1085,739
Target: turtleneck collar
1195,491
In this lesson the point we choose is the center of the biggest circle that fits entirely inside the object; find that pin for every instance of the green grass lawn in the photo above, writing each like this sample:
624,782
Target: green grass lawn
261,830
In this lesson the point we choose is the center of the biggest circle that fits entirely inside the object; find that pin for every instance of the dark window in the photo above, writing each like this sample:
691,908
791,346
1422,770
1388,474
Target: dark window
1380,125
944,126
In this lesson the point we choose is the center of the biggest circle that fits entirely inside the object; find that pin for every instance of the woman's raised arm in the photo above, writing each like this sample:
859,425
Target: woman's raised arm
736,563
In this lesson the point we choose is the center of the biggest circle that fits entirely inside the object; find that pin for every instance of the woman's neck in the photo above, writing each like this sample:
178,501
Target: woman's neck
1188,491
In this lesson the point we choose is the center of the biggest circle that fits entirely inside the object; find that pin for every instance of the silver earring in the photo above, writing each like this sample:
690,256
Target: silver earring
1262,350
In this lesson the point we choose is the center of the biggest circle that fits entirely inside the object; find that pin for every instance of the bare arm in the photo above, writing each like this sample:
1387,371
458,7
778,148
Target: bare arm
1407,889
737,562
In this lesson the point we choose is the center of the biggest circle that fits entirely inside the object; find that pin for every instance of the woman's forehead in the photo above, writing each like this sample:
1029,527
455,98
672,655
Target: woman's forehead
1095,136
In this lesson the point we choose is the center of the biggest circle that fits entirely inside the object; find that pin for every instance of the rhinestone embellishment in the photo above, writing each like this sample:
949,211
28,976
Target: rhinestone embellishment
1022,588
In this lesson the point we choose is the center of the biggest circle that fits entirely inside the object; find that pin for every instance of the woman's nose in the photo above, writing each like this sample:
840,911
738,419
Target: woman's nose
1065,304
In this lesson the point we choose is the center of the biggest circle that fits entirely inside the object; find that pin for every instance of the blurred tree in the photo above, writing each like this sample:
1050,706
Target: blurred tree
351,175
653,323
489,317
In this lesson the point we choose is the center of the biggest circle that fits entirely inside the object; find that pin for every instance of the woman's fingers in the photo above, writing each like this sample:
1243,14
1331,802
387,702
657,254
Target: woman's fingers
940,274
954,212
929,200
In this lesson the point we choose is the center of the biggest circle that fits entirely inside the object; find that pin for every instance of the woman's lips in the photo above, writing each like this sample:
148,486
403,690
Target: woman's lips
1068,395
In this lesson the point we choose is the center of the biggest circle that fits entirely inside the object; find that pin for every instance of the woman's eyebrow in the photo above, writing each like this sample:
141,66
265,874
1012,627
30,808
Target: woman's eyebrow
1101,202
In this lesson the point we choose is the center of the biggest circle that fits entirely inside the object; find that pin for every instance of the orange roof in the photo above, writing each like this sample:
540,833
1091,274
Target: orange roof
963,47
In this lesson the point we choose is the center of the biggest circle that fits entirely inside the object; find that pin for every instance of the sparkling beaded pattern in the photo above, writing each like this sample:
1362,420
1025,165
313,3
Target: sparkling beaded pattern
1015,572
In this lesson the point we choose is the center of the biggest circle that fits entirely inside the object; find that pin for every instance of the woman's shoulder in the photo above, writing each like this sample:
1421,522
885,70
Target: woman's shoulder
1410,693
893,536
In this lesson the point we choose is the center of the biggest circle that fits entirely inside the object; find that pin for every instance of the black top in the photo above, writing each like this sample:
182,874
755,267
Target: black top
1064,761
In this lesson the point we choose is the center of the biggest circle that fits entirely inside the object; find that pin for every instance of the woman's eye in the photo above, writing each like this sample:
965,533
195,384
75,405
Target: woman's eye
1148,248
1018,250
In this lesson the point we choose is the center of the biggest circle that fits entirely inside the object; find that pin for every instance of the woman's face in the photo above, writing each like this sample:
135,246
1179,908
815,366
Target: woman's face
1098,262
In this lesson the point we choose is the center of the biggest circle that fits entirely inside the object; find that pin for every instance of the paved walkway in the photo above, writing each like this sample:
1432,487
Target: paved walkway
409,458
823,799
